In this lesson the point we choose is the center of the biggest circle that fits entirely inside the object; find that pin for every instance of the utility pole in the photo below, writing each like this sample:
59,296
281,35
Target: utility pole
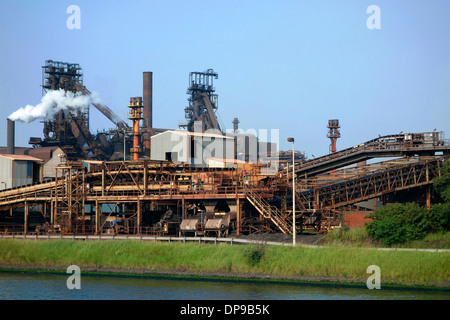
294,231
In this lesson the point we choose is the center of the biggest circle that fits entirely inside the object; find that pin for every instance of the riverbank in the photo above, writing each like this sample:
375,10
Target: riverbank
337,265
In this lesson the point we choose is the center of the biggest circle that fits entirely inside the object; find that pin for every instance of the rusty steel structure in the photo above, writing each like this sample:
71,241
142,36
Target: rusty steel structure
162,198
397,145
203,102
58,131
333,133
147,99
94,193
138,193
327,194
135,115
69,129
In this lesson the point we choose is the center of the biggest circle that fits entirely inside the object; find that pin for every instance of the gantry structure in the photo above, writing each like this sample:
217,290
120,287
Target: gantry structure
163,198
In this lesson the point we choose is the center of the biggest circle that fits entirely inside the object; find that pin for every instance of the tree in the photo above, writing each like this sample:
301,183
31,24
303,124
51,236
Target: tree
441,211
399,223
442,183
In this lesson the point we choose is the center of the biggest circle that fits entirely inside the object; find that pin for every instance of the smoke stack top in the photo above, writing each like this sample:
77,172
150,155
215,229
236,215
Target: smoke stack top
51,104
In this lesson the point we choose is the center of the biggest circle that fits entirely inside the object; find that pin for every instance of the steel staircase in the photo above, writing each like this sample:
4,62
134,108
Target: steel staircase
268,211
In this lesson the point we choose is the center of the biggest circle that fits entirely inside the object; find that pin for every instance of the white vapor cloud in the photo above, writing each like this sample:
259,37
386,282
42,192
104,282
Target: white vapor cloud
51,103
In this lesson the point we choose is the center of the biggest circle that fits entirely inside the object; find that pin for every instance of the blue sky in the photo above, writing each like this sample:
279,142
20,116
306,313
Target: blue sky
287,65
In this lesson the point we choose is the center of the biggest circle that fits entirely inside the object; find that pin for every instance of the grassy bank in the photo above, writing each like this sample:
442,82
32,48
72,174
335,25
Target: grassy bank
341,264
358,237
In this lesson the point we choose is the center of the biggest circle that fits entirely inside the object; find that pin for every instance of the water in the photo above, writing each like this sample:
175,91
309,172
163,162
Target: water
37,286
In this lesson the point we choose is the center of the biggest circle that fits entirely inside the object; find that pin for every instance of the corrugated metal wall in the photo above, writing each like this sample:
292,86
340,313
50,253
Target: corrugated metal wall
22,173
16,173
185,148
5,173
170,142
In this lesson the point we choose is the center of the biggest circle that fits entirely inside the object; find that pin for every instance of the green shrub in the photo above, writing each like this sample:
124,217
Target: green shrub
254,254
399,223
442,183
441,217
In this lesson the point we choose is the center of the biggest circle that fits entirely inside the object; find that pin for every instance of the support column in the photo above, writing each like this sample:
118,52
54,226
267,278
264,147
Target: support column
145,178
25,222
44,209
103,180
428,197
98,209
52,206
238,216
139,217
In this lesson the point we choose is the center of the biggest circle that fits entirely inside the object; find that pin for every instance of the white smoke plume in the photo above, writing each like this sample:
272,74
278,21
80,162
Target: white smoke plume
51,103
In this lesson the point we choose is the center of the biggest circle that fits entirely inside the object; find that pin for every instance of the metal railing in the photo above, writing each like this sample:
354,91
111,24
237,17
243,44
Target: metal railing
269,211
378,144
199,240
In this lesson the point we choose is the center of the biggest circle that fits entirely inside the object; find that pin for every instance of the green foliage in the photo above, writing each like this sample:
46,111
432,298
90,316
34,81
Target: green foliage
353,236
399,223
440,214
442,183
339,262
254,254
387,230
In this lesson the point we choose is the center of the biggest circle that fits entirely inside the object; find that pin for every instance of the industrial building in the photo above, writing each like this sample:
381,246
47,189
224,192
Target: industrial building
201,181
193,148
19,170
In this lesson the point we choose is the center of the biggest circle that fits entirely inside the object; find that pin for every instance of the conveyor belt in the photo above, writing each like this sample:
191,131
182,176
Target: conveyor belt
386,146
331,195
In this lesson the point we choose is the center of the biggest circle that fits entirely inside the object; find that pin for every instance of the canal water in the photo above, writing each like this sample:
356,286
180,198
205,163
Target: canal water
42,286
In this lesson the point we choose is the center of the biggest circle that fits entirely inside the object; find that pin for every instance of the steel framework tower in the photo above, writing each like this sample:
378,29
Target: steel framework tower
203,102
135,115
333,133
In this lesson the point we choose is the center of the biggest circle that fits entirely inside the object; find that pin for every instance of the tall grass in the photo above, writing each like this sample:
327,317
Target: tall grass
340,263
355,236
359,237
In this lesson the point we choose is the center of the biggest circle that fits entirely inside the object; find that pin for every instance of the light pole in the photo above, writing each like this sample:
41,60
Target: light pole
294,231
124,144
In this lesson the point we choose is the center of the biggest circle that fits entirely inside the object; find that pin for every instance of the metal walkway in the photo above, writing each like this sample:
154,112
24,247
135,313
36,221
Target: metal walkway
368,183
400,145
269,212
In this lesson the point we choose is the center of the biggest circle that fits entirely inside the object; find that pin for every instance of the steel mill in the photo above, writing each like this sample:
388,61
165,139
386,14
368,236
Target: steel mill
195,180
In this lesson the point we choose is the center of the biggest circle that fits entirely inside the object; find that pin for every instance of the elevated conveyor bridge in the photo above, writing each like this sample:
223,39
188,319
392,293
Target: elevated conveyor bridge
397,145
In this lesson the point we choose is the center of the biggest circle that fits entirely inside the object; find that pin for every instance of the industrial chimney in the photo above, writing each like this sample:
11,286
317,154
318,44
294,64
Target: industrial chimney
147,111
147,99
10,137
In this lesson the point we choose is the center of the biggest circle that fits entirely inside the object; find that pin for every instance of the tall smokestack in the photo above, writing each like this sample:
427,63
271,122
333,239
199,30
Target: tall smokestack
10,137
147,99
147,113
